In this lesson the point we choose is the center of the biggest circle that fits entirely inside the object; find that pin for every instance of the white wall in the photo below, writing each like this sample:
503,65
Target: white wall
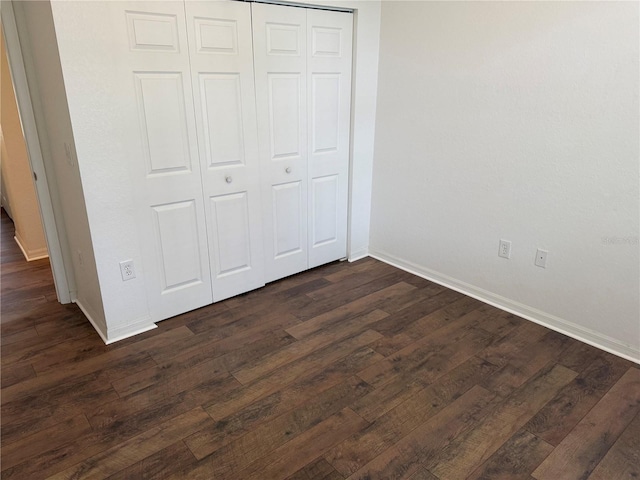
40,53
518,121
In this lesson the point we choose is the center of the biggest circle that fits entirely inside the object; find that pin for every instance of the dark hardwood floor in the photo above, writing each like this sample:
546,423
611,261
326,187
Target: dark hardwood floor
352,370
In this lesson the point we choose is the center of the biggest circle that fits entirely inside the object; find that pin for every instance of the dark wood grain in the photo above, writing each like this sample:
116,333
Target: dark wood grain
515,459
582,449
350,370
623,460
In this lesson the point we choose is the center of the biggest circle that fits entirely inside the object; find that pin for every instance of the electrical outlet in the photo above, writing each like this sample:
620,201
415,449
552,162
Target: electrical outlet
504,250
541,258
127,270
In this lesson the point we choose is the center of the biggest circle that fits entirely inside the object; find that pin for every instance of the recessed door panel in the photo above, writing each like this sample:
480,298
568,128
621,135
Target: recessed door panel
288,209
221,99
326,41
324,200
325,115
163,121
149,31
177,236
216,36
284,109
283,39
232,229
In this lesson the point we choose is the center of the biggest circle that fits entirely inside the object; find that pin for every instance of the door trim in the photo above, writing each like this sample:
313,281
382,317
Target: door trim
36,161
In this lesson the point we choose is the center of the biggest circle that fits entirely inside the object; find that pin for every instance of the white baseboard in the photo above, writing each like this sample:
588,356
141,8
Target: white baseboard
358,254
141,326
565,327
110,336
38,254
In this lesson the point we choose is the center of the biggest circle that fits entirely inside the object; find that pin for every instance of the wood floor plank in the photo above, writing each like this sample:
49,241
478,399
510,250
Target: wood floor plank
434,310
204,373
115,433
417,321
375,290
302,348
558,417
583,448
265,438
138,448
432,355
623,459
470,451
280,402
46,439
305,448
515,459
318,469
423,474
349,310
350,455
221,356
526,362
27,415
16,373
405,457
283,376
374,272
159,465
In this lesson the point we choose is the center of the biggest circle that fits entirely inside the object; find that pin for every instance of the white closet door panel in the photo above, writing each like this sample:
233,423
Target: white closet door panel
221,102
324,228
150,71
163,121
284,115
176,235
329,97
280,59
289,215
221,55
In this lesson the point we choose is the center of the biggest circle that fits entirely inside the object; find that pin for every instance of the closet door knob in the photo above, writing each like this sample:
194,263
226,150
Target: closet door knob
288,169
228,179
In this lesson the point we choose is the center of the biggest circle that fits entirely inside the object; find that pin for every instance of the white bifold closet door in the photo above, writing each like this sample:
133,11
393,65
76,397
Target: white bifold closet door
241,176
221,55
302,61
148,76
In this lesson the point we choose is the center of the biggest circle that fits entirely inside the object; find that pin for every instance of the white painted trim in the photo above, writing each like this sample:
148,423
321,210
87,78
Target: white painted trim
557,324
115,335
32,140
358,254
30,257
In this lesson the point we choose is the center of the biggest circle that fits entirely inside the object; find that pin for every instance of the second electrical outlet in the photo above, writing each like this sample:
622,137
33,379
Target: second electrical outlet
504,250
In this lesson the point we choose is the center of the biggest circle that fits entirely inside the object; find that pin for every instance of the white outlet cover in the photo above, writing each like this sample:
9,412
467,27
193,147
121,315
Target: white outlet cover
541,258
504,249
127,270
